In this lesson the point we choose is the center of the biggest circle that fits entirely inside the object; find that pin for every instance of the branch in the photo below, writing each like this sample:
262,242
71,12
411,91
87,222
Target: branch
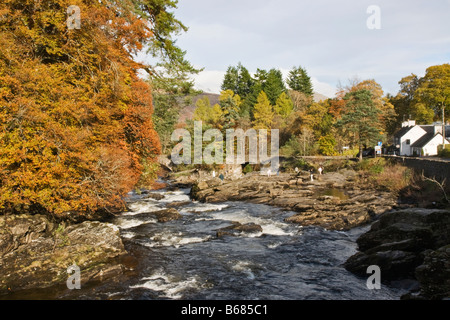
440,184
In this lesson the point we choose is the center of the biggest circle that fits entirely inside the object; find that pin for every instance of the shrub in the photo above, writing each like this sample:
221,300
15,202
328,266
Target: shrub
393,178
444,152
247,169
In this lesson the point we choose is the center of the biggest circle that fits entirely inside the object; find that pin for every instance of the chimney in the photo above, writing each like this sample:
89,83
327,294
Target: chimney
409,123
437,128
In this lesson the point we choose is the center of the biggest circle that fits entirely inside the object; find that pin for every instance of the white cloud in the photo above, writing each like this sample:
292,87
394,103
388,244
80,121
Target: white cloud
323,88
330,39
209,81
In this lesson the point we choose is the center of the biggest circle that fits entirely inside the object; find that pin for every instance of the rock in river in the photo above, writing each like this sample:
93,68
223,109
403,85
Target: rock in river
237,228
35,253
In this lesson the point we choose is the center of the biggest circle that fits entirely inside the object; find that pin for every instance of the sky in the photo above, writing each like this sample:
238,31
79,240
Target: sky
334,40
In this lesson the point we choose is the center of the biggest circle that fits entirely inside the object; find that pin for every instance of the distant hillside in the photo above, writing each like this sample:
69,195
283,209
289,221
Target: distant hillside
188,111
319,97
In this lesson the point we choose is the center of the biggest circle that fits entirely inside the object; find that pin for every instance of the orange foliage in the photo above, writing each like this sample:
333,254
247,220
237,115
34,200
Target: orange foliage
75,118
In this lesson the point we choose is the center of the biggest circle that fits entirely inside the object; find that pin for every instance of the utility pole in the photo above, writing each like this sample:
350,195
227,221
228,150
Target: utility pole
443,125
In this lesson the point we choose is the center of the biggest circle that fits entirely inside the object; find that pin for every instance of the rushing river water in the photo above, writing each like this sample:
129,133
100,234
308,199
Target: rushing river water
184,259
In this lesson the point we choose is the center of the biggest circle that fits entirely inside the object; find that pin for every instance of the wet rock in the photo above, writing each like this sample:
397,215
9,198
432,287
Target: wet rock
155,196
38,254
434,274
166,215
237,228
394,264
411,243
177,204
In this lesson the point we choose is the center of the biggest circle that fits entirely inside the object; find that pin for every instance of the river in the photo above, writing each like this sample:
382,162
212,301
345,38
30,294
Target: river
184,259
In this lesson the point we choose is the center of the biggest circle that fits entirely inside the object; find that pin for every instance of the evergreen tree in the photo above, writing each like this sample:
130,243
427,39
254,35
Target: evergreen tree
299,80
249,102
230,80
238,80
361,118
230,104
274,85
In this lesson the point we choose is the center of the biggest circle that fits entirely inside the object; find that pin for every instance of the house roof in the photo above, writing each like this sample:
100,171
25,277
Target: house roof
400,133
428,128
422,142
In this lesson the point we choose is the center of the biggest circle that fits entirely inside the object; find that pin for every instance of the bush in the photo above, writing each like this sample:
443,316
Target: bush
444,152
393,178
247,169
375,166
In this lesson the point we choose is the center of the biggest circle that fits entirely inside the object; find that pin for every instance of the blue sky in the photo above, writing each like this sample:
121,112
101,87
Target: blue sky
327,37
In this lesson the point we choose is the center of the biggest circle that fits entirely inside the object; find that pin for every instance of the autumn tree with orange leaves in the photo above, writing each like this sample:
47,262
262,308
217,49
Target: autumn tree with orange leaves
76,120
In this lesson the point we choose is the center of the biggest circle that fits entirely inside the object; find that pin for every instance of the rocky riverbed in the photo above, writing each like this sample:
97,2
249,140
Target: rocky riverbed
334,201
407,243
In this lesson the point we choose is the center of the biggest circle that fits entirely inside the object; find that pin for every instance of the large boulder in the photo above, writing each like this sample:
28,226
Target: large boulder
408,244
434,274
36,254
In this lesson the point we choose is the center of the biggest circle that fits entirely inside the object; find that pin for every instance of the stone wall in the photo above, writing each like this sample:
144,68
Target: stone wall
431,168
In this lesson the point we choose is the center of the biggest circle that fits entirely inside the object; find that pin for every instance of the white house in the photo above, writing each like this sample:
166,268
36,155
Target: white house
416,140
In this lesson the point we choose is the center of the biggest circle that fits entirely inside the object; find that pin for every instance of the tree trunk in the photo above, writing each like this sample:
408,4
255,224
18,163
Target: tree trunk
360,153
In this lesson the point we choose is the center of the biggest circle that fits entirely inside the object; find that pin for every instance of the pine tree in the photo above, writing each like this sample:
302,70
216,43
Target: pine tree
361,118
230,104
274,85
299,80
238,80
230,80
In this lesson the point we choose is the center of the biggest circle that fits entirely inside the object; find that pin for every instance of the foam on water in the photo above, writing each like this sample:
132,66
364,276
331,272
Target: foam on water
141,207
166,239
269,226
245,268
123,223
175,196
170,286
204,207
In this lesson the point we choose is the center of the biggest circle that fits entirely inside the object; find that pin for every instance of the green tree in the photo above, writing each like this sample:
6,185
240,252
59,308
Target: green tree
361,118
274,86
230,104
238,80
170,77
298,80
263,112
202,110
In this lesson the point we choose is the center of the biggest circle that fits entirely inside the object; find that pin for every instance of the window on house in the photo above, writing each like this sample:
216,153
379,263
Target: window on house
408,142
